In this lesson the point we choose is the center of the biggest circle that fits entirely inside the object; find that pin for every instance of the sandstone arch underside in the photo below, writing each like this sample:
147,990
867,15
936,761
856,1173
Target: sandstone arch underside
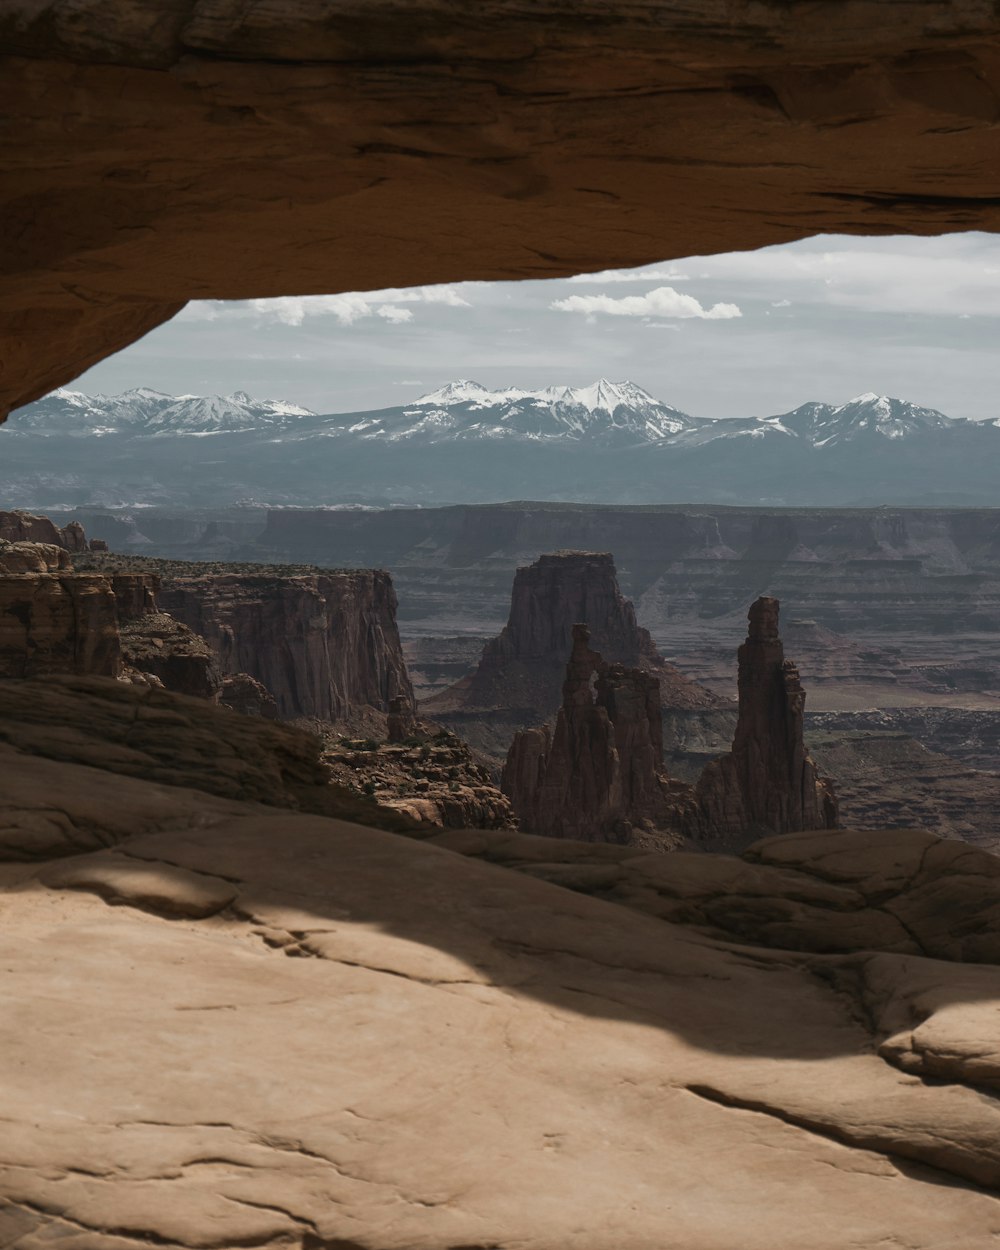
180,149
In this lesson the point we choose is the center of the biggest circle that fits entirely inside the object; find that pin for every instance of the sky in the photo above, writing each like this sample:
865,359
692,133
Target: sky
742,334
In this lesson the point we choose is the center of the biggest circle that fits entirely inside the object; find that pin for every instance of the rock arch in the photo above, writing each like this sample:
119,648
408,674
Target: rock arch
187,149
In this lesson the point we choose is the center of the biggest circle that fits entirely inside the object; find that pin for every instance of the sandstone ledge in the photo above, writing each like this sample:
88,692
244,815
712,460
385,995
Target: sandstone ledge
300,1032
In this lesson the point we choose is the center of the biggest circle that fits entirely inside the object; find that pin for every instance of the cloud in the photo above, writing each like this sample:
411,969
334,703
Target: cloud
630,275
393,313
663,301
946,276
347,307
781,303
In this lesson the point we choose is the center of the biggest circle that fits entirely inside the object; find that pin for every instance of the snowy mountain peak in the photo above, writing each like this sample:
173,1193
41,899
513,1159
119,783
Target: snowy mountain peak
602,395
460,392
865,416
868,397
143,410
605,412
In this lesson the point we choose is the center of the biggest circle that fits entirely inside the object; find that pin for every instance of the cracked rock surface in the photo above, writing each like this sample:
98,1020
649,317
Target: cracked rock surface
267,1028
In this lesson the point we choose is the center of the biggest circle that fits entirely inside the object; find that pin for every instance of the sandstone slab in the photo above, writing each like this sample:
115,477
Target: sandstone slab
382,1044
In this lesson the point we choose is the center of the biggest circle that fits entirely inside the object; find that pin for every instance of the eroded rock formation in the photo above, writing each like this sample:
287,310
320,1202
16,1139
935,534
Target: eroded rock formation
519,678
428,775
158,648
246,695
150,142
25,527
599,774
768,782
323,643
523,666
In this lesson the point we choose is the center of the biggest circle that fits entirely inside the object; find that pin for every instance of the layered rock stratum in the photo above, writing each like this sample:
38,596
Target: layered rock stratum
323,643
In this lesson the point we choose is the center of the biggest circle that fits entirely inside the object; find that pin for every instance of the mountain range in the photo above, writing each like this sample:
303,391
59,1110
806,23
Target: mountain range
608,442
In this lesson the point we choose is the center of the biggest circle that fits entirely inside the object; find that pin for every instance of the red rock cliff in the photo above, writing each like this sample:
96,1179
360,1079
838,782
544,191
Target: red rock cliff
322,643
18,527
58,623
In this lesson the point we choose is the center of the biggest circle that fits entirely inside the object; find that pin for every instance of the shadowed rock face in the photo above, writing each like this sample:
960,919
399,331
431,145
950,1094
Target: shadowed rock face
167,152
322,644
598,775
768,781
58,623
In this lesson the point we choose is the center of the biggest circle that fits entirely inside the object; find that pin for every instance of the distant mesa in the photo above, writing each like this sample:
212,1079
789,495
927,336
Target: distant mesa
520,674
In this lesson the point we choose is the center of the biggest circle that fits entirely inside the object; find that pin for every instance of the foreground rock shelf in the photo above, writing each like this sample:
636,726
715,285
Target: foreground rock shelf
241,1025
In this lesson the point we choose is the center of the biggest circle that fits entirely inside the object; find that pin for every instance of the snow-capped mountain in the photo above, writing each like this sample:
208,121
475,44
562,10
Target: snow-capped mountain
607,413
143,411
866,416
467,443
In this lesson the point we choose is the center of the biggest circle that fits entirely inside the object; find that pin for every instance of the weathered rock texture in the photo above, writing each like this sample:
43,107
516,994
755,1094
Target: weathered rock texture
57,623
135,594
178,151
599,774
25,527
322,643
155,645
296,1031
31,557
156,735
768,782
246,695
428,775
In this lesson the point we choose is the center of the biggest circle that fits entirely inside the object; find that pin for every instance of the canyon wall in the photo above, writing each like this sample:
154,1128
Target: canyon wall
58,623
856,570
322,643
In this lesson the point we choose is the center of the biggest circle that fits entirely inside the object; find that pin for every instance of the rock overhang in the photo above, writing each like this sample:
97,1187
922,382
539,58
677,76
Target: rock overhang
210,150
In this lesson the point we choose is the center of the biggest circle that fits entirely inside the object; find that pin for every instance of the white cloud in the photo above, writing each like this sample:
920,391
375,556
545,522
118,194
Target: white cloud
347,307
781,303
941,277
393,313
630,275
663,301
